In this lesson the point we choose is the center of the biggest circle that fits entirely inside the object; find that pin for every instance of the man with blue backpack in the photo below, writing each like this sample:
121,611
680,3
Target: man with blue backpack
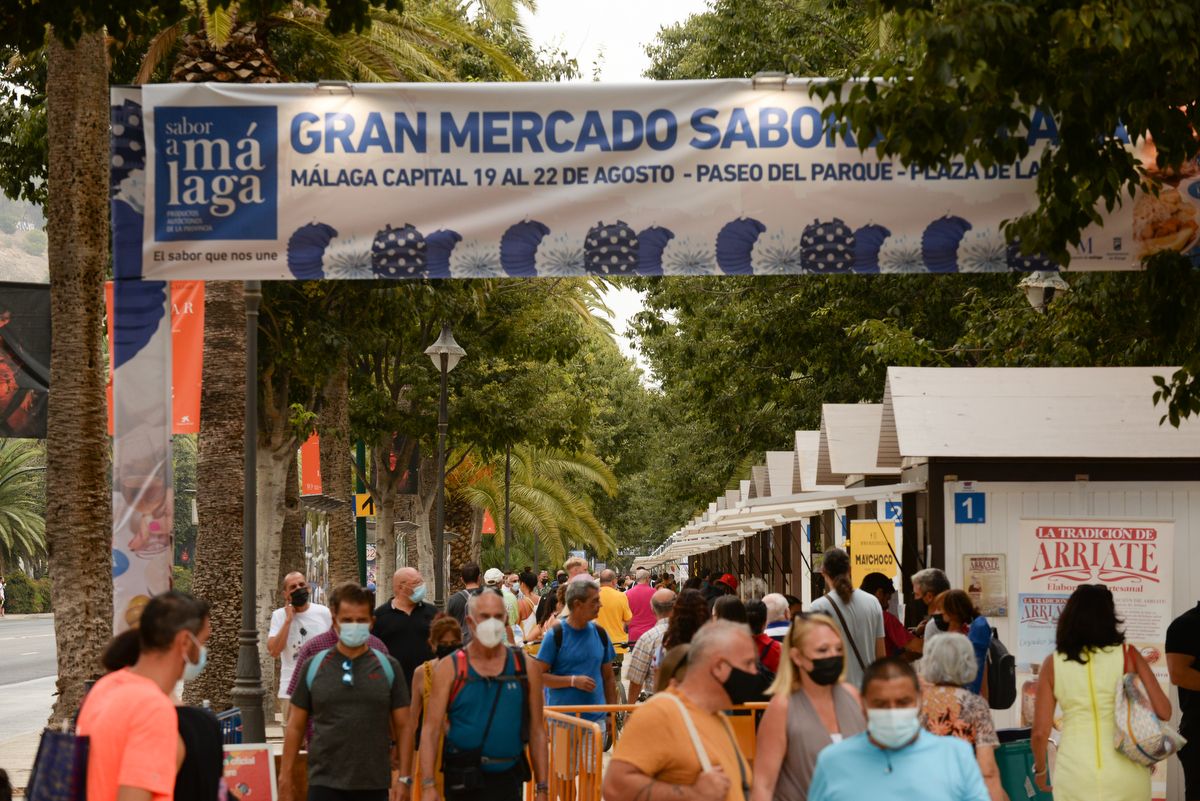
357,699
492,702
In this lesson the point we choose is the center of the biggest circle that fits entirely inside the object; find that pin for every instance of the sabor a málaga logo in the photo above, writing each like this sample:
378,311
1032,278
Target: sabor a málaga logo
215,173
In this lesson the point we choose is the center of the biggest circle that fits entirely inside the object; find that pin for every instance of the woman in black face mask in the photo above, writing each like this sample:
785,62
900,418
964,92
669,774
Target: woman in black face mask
810,708
445,637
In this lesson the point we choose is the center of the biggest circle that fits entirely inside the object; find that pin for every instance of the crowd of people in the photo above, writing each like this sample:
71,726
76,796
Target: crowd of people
400,701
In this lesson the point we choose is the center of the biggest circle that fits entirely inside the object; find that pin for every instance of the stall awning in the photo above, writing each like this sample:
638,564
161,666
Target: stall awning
758,514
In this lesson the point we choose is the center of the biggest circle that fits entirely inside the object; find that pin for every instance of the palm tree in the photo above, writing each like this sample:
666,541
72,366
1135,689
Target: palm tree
79,508
547,502
226,46
22,526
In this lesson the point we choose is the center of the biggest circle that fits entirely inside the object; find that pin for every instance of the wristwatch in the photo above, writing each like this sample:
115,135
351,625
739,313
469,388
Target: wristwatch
407,781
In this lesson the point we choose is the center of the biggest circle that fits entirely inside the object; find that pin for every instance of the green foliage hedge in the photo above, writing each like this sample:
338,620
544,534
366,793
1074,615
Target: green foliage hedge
24,595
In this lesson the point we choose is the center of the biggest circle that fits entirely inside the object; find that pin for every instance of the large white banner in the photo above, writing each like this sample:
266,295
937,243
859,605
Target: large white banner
490,180
1131,558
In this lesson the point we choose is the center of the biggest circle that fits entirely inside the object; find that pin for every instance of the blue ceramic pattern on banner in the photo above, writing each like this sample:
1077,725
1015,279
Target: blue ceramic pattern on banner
744,246
138,306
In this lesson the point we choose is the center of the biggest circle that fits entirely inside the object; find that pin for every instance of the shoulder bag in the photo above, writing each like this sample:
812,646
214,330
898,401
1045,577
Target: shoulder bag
1139,733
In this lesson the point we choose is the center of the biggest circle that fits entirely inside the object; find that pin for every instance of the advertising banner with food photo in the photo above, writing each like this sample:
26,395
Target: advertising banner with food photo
1131,557
985,576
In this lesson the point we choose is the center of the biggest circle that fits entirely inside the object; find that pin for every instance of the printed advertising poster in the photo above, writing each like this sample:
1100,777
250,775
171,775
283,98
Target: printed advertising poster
250,772
1132,558
872,549
986,579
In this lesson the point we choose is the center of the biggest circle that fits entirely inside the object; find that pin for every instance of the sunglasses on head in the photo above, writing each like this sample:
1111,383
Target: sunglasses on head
347,673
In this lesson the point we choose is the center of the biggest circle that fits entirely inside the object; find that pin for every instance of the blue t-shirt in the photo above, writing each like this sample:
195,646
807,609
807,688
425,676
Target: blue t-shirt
583,652
931,769
980,635
470,709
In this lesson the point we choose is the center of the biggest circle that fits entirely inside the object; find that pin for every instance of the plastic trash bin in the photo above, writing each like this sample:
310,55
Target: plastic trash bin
1015,759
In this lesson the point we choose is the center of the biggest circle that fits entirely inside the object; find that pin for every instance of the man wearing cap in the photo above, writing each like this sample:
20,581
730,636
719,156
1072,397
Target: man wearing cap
896,637
493,579
727,584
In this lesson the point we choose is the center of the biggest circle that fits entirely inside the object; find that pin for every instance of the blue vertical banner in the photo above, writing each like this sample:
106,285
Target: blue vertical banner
143,484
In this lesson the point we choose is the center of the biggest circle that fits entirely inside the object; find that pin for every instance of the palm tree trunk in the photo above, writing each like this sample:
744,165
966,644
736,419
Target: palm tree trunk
79,514
291,553
219,477
334,427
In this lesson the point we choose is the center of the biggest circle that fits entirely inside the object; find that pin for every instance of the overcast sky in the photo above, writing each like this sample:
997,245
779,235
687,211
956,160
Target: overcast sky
615,33
619,29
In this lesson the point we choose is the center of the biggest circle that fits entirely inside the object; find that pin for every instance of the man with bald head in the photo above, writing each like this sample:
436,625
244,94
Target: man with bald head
647,653
655,759
615,613
292,625
403,622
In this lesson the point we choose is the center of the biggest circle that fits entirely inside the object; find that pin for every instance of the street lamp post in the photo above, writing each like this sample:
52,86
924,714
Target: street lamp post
247,693
445,354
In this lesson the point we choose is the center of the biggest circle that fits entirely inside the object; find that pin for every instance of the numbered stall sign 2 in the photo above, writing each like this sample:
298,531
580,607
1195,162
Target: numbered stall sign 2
970,507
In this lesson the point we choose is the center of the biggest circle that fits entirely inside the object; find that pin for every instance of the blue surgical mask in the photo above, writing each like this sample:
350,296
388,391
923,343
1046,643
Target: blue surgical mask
353,635
893,728
418,594
193,669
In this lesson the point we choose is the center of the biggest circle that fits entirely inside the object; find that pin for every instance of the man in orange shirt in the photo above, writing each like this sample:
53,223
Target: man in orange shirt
129,716
657,758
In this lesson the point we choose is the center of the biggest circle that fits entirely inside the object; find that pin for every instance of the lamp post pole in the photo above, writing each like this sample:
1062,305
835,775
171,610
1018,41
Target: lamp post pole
445,354
439,531
248,691
507,509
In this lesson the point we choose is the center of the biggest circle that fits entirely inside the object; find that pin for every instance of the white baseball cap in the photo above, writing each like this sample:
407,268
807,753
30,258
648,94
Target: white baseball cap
494,575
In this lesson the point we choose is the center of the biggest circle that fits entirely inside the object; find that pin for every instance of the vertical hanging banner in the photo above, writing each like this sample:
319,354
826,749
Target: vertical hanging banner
187,354
310,466
299,182
1131,558
143,489
24,359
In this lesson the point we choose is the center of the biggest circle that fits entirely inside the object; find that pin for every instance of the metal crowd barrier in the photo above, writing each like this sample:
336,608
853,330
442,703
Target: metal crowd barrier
576,746
231,726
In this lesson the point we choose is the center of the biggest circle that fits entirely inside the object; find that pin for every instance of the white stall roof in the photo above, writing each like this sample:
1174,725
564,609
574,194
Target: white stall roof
849,443
808,443
1028,412
782,476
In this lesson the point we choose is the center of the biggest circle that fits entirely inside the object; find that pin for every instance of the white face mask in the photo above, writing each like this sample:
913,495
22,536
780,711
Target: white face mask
490,632
893,728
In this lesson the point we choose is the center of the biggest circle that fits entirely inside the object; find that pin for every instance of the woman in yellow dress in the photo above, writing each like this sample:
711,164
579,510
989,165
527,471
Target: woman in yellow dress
1081,676
445,637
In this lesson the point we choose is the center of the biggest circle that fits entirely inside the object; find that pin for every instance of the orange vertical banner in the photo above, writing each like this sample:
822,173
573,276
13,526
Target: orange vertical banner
310,466
187,354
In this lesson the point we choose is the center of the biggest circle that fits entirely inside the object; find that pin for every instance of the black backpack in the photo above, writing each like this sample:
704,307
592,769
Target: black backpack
1001,674
768,675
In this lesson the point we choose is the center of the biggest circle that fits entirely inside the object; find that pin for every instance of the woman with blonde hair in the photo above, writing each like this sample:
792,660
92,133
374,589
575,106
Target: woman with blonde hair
811,707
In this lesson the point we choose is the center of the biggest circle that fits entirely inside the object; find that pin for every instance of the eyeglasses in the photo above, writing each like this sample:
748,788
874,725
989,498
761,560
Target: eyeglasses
303,632
347,673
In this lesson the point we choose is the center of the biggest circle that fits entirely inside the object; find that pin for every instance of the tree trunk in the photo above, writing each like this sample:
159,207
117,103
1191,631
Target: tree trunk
272,474
219,479
391,457
291,555
424,511
79,514
333,424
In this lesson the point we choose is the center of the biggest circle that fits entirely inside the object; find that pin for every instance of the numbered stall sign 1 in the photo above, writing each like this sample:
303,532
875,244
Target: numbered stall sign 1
970,507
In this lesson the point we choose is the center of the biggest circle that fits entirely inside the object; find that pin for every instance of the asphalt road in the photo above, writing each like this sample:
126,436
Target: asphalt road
26,649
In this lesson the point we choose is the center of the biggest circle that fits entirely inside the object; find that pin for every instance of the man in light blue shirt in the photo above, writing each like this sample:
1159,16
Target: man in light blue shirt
895,759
